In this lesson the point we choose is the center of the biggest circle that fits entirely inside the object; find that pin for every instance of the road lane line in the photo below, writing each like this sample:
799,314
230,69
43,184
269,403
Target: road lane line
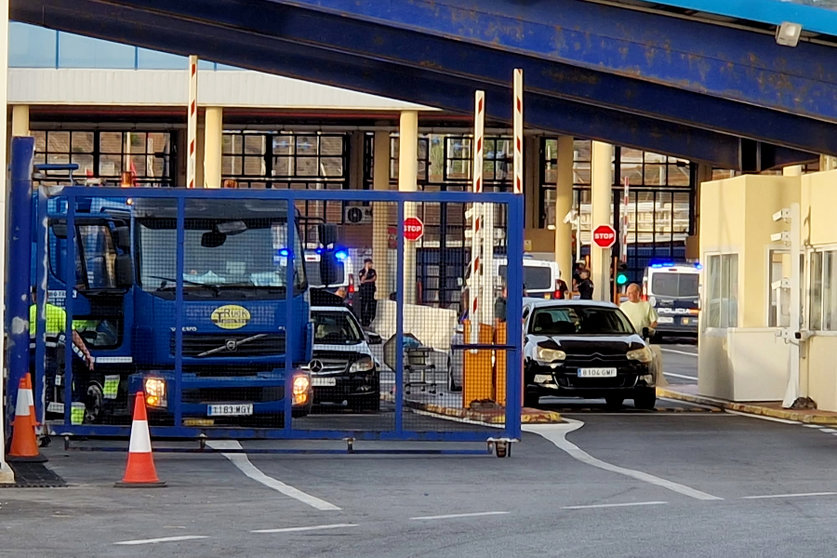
762,417
592,506
162,540
828,430
311,528
556,433
241,461
681,376
678,352
801,495
454,515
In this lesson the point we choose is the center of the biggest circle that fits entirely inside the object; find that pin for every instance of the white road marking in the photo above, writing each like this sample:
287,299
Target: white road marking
802,495
681,376
812,426
592,506
678,352
453,515
762,417
556,433
829,430
241,461
162,540
311,528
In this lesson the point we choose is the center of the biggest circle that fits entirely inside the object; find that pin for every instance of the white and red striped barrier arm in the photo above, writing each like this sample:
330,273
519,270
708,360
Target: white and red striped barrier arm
475,306
518,131
192,123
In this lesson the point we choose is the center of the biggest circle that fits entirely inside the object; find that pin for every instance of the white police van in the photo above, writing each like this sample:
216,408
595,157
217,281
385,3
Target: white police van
540,277
673,291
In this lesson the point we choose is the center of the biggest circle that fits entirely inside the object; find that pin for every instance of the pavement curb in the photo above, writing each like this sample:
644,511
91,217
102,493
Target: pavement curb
751,408
488,416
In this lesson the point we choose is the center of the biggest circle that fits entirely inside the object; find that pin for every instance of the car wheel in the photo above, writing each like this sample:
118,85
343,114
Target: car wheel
361,404
646,400
614,402
531,399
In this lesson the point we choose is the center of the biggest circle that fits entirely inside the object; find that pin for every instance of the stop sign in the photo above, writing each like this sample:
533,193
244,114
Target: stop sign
413,228
604,236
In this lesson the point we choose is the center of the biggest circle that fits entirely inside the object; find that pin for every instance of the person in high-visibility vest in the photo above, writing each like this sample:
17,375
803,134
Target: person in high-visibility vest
56,318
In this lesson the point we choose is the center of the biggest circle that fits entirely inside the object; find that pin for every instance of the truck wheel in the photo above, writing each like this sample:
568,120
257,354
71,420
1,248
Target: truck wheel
94,402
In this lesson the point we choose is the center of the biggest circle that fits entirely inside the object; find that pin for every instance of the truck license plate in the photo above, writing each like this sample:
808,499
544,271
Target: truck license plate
596,372
230,410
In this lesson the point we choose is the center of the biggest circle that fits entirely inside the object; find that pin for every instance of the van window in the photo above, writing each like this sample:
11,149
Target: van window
534,278
679,285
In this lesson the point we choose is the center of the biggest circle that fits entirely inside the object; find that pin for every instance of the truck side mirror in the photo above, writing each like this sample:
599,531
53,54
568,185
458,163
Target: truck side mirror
123,238
327,233
124,271
328,268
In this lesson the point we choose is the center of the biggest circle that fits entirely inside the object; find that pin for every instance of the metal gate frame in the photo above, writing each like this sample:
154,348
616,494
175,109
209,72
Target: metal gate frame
514,205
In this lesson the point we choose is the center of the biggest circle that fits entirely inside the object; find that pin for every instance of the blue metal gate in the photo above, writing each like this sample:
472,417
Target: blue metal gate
201,300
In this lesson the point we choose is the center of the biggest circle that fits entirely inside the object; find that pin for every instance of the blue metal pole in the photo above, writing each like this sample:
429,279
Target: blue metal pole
177,394
20,252
290,331
514,312
399,319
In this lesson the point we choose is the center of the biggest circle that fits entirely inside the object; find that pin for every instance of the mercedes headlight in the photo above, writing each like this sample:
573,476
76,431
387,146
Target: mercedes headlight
643,355
550,355
363,364
301,385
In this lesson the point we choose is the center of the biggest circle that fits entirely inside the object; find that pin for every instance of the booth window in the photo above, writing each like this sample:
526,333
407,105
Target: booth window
722,292
823,292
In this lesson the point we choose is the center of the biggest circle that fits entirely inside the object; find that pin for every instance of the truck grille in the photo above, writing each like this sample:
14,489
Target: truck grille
215,345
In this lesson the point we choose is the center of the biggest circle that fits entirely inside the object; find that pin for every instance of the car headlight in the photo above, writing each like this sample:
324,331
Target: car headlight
363,364
550,355
301,385
643,355
155,392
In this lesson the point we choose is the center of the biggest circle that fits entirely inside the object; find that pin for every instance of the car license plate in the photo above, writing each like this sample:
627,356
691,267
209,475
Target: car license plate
323,382
665,320
230,410
596,372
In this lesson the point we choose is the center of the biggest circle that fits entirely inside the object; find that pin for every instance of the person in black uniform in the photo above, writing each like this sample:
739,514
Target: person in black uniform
368,276
585,285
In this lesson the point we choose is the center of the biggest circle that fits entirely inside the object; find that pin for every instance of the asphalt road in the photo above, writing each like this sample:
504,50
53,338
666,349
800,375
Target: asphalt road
621,484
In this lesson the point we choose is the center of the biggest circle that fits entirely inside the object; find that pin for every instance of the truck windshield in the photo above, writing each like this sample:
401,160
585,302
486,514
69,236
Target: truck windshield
675,285
222,254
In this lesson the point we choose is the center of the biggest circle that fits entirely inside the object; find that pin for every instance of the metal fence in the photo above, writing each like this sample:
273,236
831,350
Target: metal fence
232,323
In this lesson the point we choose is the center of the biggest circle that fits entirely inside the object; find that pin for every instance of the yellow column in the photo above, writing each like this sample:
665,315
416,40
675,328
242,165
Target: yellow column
793,170
564,249
20,120
407,174
601,197
381,217
213,134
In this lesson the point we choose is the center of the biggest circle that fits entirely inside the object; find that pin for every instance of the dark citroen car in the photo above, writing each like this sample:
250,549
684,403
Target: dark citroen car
585,349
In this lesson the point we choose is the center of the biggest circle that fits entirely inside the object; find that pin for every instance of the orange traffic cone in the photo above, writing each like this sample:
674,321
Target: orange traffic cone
24,445
140,471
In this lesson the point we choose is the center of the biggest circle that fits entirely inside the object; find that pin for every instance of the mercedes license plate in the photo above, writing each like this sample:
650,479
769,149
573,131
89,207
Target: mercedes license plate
230,410
596,372
322,382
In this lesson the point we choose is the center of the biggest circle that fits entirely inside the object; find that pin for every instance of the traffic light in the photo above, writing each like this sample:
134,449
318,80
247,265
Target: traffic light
622,274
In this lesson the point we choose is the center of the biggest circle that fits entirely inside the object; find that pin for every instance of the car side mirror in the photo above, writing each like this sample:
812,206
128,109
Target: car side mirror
373,338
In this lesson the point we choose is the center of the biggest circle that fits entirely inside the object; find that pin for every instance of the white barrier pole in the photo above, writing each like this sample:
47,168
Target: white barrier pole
192,123
477,306
518,131
6,474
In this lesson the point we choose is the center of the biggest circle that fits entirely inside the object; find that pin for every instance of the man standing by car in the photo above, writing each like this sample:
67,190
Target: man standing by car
368,276
640,312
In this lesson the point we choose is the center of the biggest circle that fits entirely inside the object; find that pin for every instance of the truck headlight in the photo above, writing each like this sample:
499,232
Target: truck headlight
155,392
363,364
301,385
550,355
643,355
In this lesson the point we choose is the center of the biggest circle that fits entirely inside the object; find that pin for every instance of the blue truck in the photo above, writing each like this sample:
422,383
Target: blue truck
222,279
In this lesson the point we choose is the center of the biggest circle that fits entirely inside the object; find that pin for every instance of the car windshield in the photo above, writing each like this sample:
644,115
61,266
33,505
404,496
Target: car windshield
675,285
335,328
579,320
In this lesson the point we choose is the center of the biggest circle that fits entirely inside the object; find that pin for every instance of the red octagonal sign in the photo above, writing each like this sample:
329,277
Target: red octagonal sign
604,236
413,228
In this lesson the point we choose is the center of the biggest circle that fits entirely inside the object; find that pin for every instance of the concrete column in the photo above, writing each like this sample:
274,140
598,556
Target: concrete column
828,162
213,136
7,476
381,218
793,170
531,182
601,197
564,249
407,173
20,120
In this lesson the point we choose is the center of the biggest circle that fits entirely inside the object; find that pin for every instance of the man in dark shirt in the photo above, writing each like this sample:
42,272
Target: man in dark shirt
585,285
368,276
